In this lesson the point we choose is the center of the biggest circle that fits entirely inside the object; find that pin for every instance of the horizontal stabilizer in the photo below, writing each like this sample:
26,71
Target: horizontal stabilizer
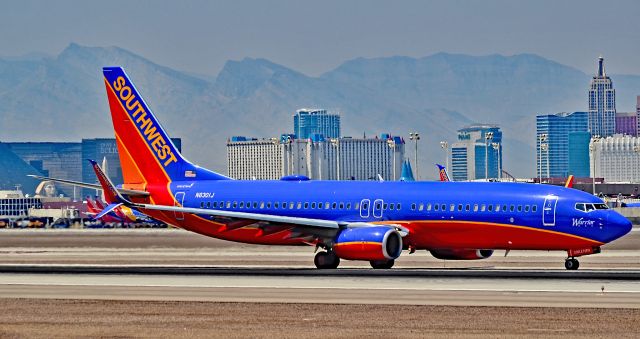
92,186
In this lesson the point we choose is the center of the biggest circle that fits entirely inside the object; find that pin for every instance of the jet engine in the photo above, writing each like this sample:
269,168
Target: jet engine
461,254
376,243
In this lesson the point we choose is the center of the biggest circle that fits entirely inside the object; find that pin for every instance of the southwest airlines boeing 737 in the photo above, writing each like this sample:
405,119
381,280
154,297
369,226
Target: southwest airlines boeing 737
354,220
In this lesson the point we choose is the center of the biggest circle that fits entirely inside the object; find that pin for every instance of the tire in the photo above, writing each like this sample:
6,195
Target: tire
571,264
382,264
326,260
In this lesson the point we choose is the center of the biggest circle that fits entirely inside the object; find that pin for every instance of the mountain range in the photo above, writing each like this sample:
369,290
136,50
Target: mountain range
62,98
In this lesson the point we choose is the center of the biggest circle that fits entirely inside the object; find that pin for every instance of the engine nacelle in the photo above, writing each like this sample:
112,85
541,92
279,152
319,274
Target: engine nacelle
461,254
368,243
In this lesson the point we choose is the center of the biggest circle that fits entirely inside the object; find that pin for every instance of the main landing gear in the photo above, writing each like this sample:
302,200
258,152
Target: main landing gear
571,264
326,260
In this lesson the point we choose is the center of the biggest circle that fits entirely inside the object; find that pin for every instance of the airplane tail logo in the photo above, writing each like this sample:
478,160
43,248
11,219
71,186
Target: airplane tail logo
444,176
147,154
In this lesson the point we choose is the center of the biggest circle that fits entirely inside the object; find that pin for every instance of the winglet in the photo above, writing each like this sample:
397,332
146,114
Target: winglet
107,210
111,194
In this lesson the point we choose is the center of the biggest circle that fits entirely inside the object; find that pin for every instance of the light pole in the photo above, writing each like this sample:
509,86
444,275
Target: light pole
496,146
545,148
415,137
445,146
392,144
336,142
487,136
541,138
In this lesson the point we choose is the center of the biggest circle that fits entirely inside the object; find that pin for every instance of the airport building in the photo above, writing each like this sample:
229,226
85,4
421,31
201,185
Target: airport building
552,144
616,158
602,103
316,157
63,160
477,154
307,122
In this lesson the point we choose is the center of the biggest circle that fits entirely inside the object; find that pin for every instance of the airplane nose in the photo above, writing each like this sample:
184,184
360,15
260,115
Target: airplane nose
618,224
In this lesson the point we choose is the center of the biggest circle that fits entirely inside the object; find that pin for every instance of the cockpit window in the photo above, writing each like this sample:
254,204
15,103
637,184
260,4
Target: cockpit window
580,207
601,206
589,207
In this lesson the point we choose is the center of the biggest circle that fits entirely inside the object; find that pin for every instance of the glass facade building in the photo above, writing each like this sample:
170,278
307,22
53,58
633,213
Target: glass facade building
67,160
602,103
474,156
579,154
553,130
307,122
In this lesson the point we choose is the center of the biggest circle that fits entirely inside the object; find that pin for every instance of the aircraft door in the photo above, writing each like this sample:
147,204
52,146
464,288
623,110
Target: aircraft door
549,211
377,208
179,202
365,205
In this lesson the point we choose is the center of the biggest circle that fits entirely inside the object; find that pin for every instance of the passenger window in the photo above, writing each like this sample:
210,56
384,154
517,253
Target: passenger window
467,208
291,205
483,208
313,205
452,207
215,204
526,208
504,208
235,204
534,208
284,204
356,206
299,205
421,207
268,204
497,208
385,206
429,207
436,206
341,205
306,205
512,208
392,207
519,208
413,207
202,204
490,208
255,204
443,207
261,204
326,205
334,205
398,206
221,204
475,207
348,205
459,207
228,204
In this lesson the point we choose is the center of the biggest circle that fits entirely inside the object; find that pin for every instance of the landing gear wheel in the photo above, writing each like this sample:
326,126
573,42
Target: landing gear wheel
571,264
382,264
326,260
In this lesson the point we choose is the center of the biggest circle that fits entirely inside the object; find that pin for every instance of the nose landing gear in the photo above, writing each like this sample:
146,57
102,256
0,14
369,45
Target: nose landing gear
571,264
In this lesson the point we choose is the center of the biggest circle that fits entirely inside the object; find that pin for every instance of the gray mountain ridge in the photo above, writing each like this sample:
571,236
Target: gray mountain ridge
62,98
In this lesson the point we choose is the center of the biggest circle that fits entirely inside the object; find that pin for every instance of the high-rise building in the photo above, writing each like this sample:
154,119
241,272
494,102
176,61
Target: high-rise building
615,158
579,154
315,121
552,142
602,103
316,157
627,123
638,114
477,154
67,160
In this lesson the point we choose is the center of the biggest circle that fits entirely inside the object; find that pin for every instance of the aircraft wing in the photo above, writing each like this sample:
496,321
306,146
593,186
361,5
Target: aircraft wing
92,186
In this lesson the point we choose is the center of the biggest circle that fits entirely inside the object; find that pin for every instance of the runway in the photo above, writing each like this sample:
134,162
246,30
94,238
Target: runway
531,288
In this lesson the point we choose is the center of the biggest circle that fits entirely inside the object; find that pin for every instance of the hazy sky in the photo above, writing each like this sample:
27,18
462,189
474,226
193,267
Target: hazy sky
315,36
